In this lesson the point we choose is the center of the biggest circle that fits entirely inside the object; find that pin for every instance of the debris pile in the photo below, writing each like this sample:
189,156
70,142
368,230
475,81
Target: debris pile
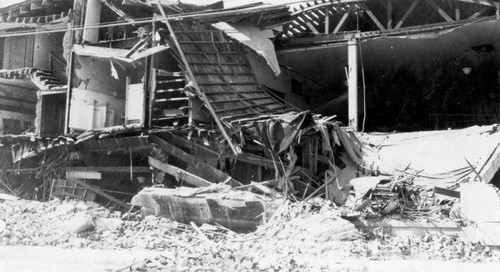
377,197
428,246
300,236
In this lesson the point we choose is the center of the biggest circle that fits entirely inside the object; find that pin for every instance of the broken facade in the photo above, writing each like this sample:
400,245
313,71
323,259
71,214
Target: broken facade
178,95
198,96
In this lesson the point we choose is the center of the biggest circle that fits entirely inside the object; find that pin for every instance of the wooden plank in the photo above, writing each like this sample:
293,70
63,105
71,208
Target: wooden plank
205,170
215,53
282,108
101,193
177,117
327,4
223,73
111,169
233,92
180,173
203,96
170,74
256,160
170,90
479,2
407,14
167,81
227,83
205,42
242,99
84,174
312,28
195,148
255,107
446,192
220,63
171,99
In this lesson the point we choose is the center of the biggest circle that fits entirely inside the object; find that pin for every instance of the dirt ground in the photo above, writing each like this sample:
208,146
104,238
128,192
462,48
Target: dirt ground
77,236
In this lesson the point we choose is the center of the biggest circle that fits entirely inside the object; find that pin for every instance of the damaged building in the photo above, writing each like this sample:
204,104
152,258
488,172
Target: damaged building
103,98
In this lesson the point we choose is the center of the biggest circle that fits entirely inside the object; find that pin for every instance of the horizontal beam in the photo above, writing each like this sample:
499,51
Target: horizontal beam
110,169
480,2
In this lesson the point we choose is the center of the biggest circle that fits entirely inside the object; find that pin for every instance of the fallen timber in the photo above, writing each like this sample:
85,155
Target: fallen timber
172,160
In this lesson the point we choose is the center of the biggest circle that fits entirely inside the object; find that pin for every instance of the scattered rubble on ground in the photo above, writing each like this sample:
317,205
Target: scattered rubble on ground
300,236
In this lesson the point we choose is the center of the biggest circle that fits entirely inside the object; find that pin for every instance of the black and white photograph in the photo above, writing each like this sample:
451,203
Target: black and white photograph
249,135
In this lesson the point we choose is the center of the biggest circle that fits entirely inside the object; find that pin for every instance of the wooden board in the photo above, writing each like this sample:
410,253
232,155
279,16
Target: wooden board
203,169
179,173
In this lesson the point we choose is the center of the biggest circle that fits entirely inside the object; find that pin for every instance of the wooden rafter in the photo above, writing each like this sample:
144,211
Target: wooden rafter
313,29
478,13
407,14
299,23
481,2
303,21
372,16
342,20
440,11
389,14
302,10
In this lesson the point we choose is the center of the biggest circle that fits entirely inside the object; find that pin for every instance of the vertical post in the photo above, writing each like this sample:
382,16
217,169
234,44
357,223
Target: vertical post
92,18
70,66
352,48
149,86
327,20
497,13
389,14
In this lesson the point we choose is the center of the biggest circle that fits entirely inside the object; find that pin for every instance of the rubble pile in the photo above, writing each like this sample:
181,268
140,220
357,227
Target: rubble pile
397,195
300,236
425,247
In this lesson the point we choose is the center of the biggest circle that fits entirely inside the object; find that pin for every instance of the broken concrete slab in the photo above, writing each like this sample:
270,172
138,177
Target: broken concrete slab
479,202
487,232
237,210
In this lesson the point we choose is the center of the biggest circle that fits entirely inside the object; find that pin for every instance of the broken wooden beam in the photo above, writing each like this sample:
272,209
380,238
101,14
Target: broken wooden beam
179,173
446,192
201,168
80,184
111,169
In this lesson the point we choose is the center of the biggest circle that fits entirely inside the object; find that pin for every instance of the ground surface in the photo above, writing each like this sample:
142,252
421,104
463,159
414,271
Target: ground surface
78,236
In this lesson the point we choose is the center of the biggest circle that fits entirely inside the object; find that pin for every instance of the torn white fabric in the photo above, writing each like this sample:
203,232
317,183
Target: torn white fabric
439,158
254,38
